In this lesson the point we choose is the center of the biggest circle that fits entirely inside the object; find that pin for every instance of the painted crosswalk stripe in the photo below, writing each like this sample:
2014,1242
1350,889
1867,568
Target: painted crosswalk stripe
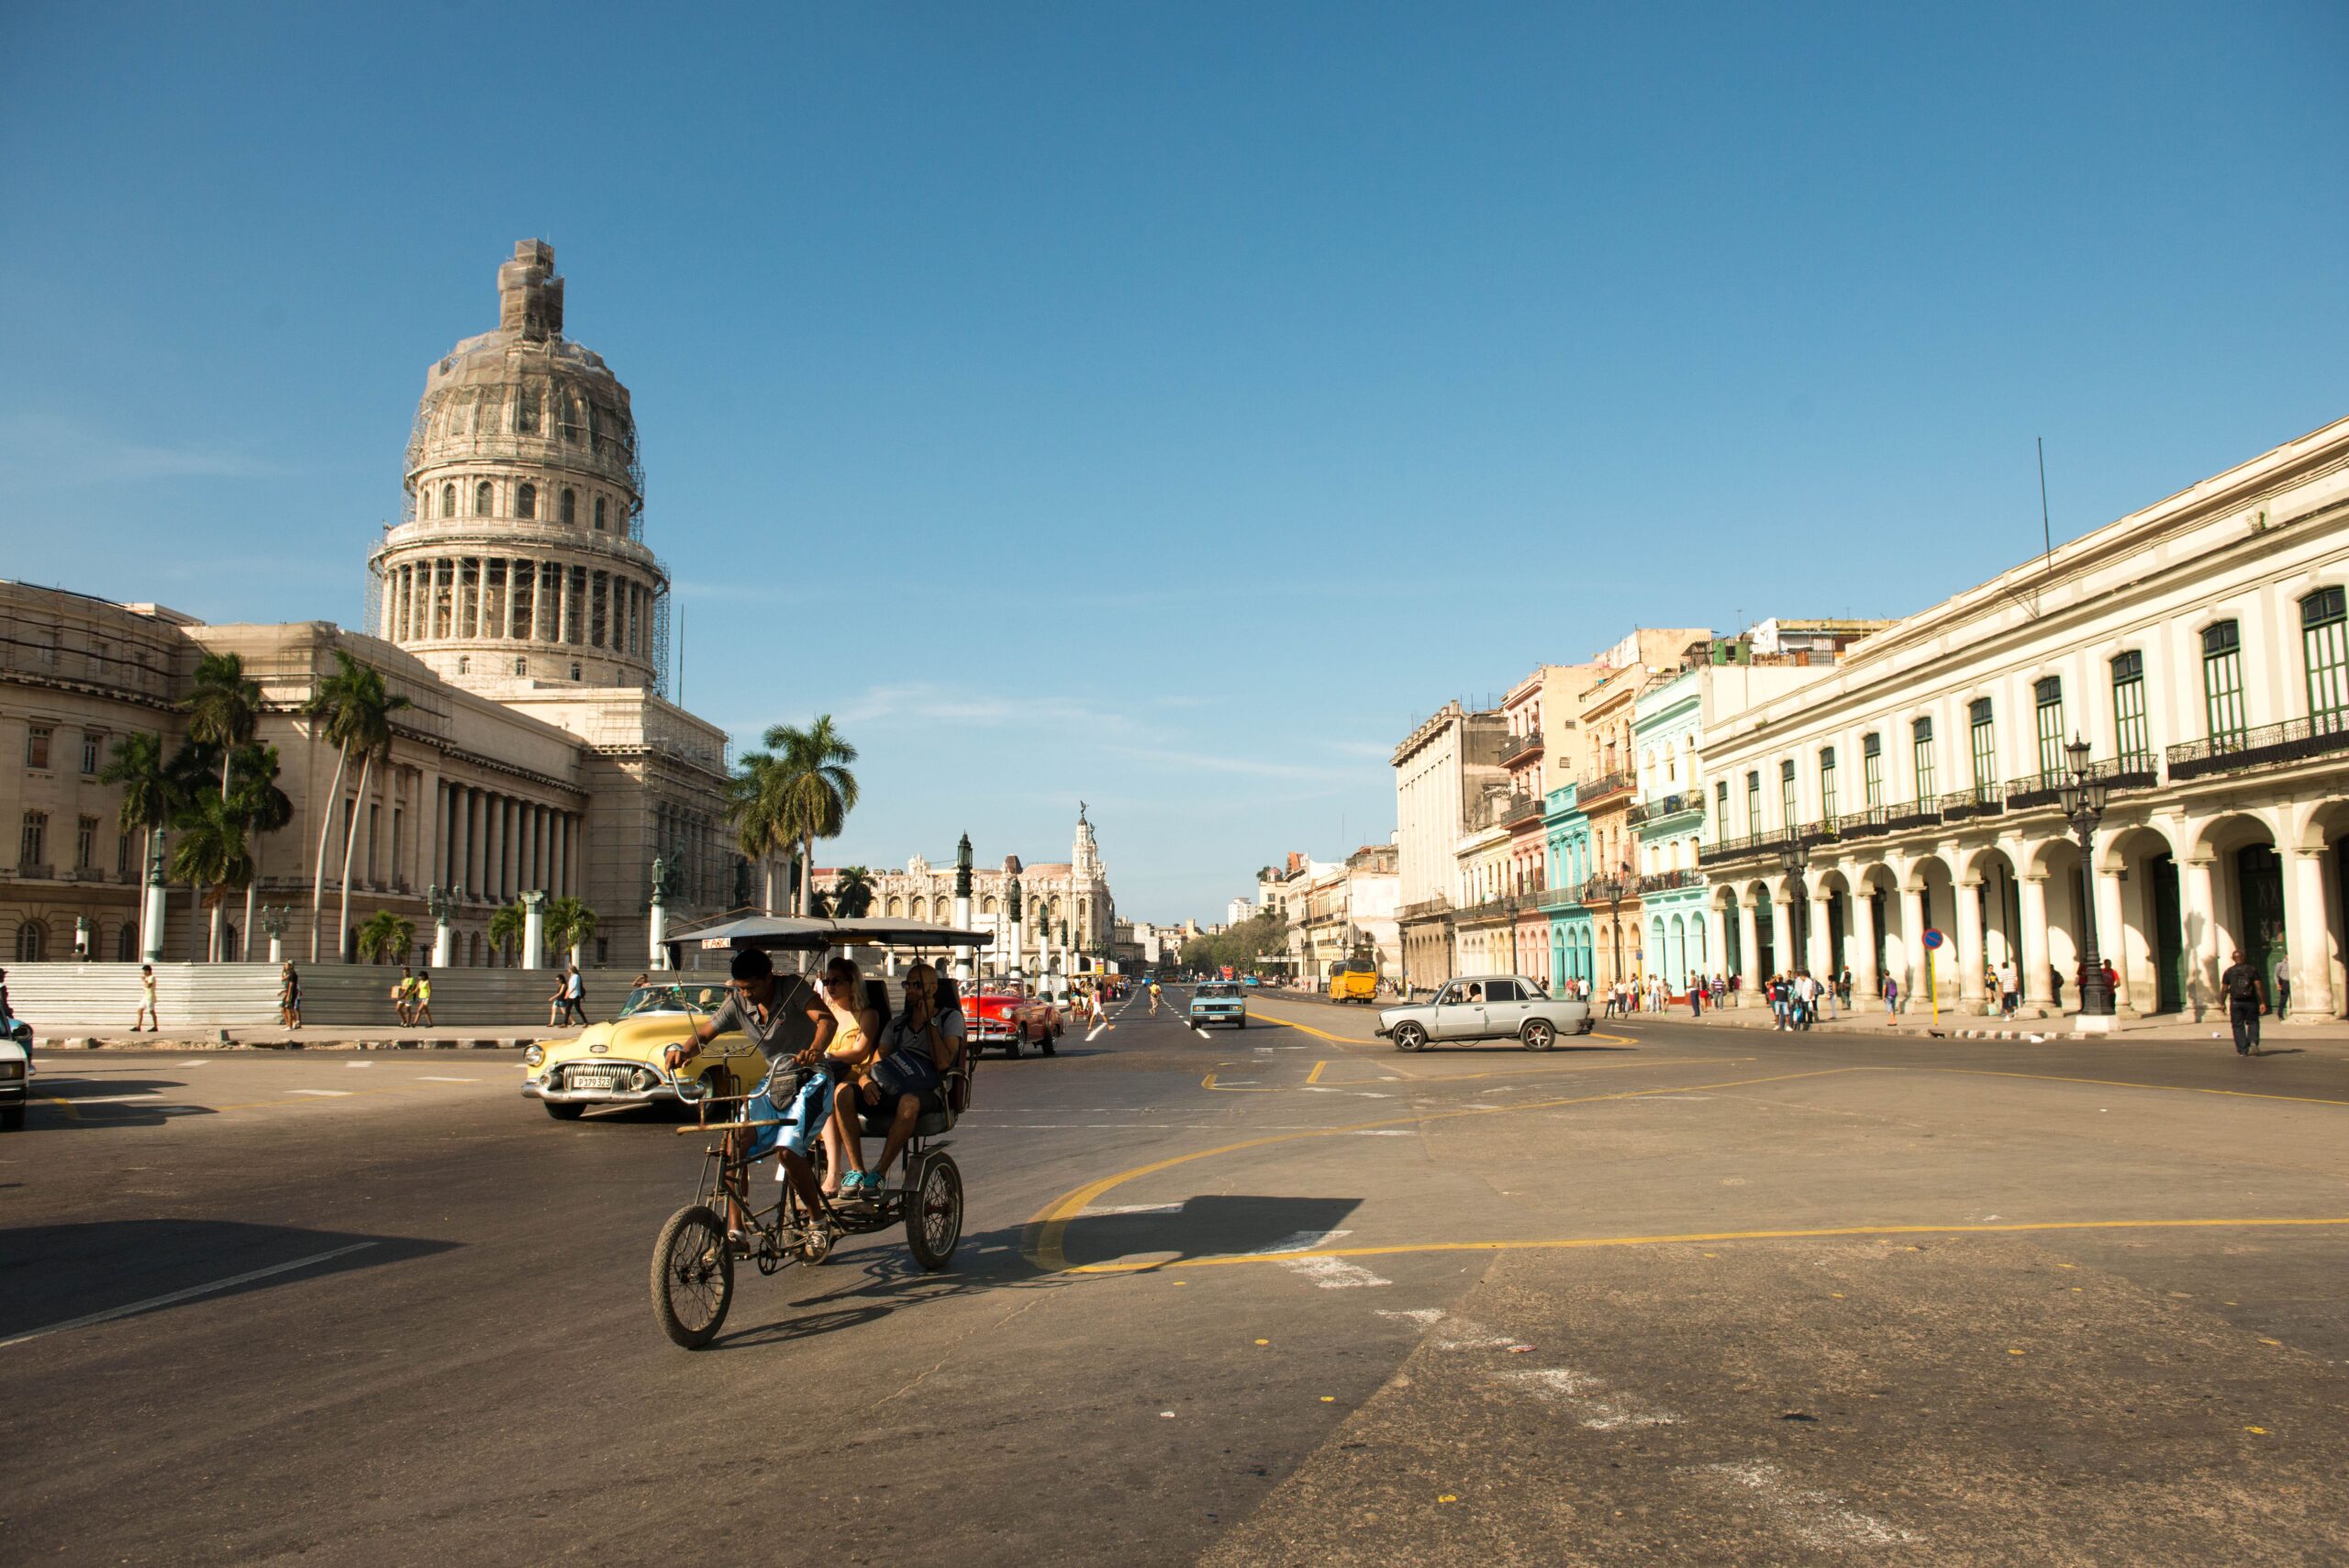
431,1078
338,1094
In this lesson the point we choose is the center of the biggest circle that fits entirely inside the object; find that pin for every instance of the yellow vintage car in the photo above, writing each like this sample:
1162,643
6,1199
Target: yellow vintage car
618,1063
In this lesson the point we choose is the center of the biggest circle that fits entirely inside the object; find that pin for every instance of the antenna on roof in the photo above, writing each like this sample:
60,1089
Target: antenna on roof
2047,530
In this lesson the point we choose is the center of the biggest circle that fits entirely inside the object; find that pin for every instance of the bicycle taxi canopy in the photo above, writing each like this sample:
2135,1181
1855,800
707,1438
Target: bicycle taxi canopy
788,933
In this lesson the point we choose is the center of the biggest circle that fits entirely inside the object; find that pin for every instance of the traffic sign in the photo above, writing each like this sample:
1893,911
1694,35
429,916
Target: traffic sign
1933,939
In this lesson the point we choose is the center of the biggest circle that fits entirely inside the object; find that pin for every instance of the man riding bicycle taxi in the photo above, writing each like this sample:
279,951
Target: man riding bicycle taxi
757,1003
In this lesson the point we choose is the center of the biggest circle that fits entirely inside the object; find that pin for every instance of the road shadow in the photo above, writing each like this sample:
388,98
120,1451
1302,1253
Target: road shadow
51,1274
1208,1224
90,1104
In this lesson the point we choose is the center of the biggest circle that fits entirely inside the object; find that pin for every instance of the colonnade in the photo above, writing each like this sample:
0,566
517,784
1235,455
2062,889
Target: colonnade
498,846
475,598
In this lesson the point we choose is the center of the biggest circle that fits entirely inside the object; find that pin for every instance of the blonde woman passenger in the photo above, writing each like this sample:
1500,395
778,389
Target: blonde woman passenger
850,1055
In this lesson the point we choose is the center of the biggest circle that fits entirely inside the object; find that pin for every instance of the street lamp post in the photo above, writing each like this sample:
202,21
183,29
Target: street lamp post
442,904
1610,890
272,918
1015,917
2083,800
1794,860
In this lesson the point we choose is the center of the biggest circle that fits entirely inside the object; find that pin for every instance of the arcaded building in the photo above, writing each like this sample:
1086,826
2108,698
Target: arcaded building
517,609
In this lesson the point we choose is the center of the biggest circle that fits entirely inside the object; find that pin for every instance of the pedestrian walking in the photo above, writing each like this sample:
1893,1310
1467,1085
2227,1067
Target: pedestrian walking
404,997
1775,988
289,998
421,1013
1827,996
557,999
146,1001
1891,994
2009,988
2246,996
2282,970
574,996
1843,986
1696,997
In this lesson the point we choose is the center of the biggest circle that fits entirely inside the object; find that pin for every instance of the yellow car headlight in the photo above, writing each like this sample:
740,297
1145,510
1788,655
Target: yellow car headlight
534,1055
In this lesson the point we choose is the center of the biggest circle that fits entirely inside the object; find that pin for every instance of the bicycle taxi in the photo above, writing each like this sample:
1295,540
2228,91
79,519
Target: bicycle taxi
694,1260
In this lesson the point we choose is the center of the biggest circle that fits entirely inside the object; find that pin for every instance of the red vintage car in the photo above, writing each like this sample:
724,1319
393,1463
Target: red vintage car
1006,1018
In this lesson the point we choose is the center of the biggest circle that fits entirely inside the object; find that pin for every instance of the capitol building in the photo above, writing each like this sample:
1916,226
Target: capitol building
517,608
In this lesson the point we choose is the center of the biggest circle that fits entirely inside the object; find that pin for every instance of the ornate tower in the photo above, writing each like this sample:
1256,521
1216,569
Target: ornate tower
518,562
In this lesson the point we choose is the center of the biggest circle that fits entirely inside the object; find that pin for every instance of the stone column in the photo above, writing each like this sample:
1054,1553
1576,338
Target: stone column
561,859
1913,957
2197,915
1867,984
476,841
492,871
454,870
1716,944
2309,936
1749,950
1969,944
2034,961
2111,937
1783,956
1820,937
534,928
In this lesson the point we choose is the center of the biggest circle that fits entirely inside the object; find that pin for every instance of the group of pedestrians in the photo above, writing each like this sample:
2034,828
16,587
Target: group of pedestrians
1800,999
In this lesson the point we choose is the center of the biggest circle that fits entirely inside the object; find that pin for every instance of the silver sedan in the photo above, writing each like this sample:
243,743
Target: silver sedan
1485,1007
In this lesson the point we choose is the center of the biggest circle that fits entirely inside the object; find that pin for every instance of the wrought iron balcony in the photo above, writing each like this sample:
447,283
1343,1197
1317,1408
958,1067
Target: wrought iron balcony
1664,881
1520,746
1525,808
1912,813
1982,800
2135,772
36,873
2271,745
1869,824
1674,805
1738,849
1603,786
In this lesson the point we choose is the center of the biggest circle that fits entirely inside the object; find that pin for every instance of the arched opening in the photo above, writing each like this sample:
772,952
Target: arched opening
526,501
567,506
483,499
919,910
32,943
126,946
599,511
2235,859
448,500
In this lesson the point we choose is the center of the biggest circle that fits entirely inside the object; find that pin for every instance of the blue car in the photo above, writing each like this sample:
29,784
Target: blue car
1218,1001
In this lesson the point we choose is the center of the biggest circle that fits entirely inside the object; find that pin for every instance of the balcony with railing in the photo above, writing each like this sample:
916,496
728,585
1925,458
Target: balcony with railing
1982,800
1522,808
1665,881
1663,807
2269,746
1517,748
1728,850
1604,786
2137,771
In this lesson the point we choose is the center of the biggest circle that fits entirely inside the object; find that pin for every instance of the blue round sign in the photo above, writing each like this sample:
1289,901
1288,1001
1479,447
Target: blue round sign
1933,939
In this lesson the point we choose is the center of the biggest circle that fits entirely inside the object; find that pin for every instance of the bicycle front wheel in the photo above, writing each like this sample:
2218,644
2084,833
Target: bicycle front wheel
693,1276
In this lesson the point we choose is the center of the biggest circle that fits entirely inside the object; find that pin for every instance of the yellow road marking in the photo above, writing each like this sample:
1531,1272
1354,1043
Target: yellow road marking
1581,1242
1042,1242
1209,1083
1315,1076
1319,1034
73,1112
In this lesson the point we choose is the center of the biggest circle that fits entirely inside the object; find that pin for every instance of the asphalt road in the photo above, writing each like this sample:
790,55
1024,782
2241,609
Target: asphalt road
1275,1296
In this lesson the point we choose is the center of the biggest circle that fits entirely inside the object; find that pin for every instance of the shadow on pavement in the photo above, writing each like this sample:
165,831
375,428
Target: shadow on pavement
60,1103
1207,1225
51,1274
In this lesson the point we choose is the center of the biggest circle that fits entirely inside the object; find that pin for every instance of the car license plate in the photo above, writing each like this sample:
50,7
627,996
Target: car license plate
591,1078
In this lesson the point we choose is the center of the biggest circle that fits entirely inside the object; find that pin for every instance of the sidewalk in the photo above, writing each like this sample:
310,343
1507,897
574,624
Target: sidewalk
2024,1027
321,1037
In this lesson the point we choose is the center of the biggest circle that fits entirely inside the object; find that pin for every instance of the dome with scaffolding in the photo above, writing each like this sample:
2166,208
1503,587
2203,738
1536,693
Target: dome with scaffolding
519,557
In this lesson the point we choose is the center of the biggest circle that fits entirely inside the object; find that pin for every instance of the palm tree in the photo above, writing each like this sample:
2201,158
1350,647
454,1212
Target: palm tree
814,790
260,808
223,708
354,714
507,928
138,766
569,926
754,805
211,851
852,892
386,937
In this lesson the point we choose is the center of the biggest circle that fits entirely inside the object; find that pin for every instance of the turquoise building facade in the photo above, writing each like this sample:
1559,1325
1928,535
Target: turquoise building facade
1669,820
1566,833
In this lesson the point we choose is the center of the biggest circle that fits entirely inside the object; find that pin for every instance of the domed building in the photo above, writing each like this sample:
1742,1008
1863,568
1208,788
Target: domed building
515,609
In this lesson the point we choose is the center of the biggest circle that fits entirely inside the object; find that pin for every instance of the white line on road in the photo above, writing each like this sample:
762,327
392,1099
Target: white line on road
359,1064
431,1078
1131,1208
110,1314
338,1094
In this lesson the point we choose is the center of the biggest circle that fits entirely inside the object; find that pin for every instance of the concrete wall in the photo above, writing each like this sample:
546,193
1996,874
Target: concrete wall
81,998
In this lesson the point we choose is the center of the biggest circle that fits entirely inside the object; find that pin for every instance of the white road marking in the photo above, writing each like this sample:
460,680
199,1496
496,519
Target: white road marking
141,1096
192,1292
430,1078
1817,1519
1422,1316
194,1064
359,1064
338,1094
1335,1274
1131,1208
1305,1240
1096,1030
1384,1131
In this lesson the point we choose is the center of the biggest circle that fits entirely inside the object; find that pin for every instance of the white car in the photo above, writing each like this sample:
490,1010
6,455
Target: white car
1485,1007
15,1082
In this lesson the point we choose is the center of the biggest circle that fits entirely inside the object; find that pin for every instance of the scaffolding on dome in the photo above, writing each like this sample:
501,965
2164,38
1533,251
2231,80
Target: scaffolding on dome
658,650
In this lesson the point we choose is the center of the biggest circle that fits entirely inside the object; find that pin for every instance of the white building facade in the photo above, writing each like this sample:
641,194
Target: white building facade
2197,647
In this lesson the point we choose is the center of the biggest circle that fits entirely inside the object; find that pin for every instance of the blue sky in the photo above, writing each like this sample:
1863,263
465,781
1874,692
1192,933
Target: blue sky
1165,404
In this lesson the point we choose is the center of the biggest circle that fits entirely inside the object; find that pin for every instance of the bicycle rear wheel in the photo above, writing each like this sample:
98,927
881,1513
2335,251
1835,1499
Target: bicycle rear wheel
934,1213
693,1276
